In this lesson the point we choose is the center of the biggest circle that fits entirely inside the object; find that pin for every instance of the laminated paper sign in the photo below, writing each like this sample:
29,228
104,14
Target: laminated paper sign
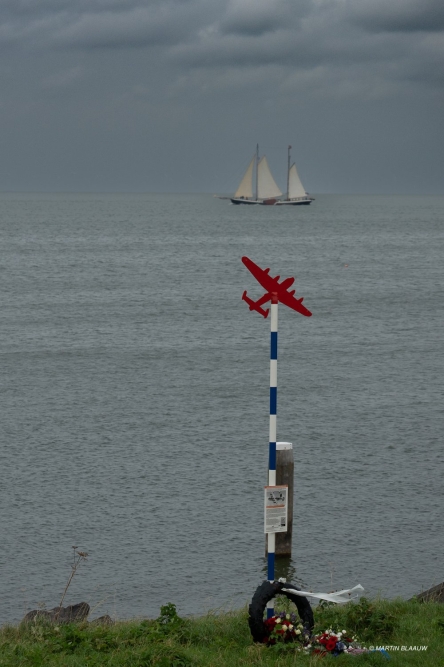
276,509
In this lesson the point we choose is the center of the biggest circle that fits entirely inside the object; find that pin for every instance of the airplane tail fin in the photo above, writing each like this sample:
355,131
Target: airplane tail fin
254,306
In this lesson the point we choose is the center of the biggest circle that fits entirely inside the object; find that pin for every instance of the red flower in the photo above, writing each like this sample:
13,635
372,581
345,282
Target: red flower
269,625
331,644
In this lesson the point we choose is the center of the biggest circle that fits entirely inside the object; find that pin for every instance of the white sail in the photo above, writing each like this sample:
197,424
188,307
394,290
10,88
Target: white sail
266,185
245,188
295,187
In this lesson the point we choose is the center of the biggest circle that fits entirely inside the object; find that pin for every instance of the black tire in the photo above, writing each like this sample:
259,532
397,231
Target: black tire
266,592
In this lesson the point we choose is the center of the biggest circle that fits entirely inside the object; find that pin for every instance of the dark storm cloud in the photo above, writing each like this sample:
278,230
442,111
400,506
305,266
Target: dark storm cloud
398,15
329,45
104,73
285,47
234,33
332,47
138,27
258,17
336,36
100,23
23,8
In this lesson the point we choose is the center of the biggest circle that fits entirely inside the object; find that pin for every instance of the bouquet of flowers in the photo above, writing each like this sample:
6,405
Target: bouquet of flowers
335,643
284,628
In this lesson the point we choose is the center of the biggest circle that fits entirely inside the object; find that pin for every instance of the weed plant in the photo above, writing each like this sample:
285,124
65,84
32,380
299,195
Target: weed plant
224,640
78,558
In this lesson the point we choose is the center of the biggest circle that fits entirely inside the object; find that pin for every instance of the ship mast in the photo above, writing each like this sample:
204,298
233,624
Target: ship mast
288,175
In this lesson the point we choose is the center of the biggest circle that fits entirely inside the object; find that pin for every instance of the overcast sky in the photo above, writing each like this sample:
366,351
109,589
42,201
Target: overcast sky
173,95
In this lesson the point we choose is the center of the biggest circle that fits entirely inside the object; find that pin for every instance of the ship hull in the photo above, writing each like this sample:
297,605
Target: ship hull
245,201
262,202
292,202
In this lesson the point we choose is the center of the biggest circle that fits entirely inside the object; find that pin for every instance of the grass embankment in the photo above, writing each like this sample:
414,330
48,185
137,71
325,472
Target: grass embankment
217,640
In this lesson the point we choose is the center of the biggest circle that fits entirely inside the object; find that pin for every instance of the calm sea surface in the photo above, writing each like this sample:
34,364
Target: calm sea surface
134,400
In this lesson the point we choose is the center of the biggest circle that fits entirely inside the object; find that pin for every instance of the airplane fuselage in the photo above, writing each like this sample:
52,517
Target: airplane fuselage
263,277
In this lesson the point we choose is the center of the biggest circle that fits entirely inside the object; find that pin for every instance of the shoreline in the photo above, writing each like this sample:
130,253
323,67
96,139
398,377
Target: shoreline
214,640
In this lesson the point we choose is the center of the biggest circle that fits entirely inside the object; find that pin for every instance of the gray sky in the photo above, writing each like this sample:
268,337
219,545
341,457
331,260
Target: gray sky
173,95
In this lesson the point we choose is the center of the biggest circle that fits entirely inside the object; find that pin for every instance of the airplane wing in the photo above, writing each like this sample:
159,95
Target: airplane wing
296,304
261,275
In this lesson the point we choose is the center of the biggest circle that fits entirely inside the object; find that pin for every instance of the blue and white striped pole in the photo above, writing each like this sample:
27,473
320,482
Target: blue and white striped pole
272,446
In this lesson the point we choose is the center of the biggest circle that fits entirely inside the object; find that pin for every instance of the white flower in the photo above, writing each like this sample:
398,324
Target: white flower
290,627
278,620
284,627
297,632
288,617
344,632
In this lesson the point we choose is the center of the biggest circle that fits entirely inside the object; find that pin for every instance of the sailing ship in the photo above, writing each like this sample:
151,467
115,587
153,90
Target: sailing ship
266,190
296,194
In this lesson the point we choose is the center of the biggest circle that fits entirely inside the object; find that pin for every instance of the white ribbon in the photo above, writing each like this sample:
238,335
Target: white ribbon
339,597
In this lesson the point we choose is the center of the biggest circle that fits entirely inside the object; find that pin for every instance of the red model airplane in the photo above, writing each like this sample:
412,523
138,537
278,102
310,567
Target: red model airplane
272,285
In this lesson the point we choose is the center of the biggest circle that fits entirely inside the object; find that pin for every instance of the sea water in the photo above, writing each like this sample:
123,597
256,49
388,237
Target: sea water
135,398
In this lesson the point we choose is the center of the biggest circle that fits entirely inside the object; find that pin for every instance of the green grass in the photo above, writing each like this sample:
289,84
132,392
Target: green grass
223,639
